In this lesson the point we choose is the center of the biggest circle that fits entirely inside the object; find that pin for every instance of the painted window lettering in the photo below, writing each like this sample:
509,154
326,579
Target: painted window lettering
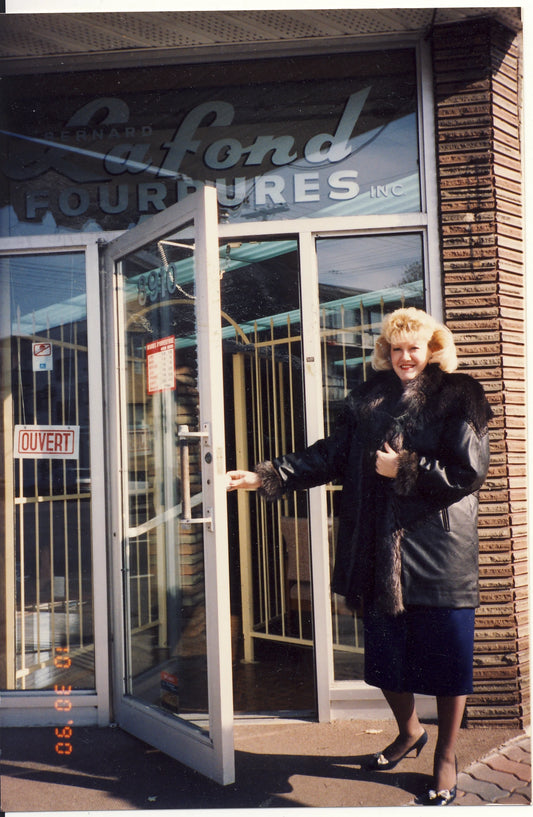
219,154
340,143
155,196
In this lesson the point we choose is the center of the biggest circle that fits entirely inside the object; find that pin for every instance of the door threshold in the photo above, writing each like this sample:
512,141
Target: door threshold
287,716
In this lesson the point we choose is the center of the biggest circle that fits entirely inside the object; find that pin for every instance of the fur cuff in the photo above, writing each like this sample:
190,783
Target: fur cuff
272,487
407,473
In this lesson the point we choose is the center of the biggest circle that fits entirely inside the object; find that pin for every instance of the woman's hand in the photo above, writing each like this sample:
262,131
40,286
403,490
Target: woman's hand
248,480
387,462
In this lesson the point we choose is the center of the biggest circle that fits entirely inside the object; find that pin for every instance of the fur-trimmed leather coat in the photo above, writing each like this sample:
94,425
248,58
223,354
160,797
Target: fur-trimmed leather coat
411,540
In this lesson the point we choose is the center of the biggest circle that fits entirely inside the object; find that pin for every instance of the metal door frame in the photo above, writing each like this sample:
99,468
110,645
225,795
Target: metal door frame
35,708
212,756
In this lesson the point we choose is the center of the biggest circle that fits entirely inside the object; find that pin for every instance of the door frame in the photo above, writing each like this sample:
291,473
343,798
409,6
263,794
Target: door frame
36,708
212,755
335,699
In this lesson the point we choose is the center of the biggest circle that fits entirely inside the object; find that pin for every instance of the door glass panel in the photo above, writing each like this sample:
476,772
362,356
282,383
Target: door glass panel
360,280
269,542
165,615
46,628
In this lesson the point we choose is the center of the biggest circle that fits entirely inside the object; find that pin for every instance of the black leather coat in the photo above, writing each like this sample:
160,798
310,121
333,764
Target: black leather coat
411,540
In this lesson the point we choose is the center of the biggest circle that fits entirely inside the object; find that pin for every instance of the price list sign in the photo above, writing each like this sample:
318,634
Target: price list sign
160,365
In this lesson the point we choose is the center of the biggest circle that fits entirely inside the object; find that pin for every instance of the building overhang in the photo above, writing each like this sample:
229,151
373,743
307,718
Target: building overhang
79,41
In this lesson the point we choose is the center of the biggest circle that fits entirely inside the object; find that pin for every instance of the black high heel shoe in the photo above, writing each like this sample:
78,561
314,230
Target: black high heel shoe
379,763
442,797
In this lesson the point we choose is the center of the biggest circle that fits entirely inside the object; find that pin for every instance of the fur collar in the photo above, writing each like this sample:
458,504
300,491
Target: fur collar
432,395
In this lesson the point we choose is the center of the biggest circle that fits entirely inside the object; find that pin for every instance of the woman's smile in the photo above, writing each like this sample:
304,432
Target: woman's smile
409,358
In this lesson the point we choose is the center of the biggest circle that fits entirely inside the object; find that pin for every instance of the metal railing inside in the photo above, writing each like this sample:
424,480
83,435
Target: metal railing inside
52,526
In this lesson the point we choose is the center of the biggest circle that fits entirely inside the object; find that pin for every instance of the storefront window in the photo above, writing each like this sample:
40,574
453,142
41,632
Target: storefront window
360,280
332,135
46,629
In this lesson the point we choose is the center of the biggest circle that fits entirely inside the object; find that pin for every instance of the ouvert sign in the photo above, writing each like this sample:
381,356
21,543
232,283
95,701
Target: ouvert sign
47,442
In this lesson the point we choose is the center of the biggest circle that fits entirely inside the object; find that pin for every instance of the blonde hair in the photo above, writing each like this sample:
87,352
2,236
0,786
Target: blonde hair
407,322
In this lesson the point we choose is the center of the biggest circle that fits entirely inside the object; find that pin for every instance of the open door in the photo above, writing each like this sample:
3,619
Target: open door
172,642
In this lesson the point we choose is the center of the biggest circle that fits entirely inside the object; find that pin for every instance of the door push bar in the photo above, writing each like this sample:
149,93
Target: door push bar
184,435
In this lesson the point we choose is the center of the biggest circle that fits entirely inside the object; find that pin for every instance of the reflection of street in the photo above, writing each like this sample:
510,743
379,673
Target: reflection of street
141,442
163,561
41,631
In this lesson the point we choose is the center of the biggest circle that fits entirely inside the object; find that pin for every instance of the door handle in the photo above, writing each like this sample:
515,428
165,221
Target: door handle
184,435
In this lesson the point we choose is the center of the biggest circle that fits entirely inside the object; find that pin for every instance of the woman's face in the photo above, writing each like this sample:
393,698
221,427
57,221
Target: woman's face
409,357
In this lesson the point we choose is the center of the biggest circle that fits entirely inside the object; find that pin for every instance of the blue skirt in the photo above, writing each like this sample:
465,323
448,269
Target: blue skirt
426,650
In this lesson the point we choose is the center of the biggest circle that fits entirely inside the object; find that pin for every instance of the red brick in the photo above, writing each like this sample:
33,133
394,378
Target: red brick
469,800
515,799
503,764
517,753
488,792
507,782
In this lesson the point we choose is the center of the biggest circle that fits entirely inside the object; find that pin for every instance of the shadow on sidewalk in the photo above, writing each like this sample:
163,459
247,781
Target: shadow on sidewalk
277,765
112,770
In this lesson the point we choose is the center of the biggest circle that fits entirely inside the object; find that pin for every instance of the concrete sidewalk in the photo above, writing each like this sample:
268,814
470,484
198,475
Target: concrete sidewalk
278,764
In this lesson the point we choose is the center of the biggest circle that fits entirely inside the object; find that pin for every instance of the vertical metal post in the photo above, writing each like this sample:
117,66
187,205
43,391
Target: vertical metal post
243,504
7,517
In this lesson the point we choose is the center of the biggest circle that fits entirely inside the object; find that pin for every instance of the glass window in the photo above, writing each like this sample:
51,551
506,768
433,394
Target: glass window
47,626
331,135
269,542
360,280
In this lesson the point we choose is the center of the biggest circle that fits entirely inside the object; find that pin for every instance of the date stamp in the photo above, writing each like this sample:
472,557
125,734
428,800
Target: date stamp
62,703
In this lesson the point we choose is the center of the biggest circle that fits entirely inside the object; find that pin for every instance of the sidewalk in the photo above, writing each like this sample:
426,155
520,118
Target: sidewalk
278,764
503,777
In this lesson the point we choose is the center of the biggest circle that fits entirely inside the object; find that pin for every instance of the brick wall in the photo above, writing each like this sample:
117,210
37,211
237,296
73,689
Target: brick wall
477,75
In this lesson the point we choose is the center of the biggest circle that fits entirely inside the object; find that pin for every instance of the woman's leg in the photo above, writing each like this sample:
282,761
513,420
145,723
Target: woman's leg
450,710
409,727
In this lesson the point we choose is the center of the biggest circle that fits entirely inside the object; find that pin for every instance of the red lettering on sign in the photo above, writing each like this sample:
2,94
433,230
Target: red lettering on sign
47,442
60,442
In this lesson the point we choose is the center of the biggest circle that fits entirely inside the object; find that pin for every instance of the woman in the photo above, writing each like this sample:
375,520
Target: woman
412,451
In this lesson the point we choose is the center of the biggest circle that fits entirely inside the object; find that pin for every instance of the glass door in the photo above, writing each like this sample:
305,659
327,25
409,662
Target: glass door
173,657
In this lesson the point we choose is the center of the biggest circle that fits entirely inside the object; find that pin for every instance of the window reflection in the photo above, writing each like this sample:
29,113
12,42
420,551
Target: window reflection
360,280
49,541
321,136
